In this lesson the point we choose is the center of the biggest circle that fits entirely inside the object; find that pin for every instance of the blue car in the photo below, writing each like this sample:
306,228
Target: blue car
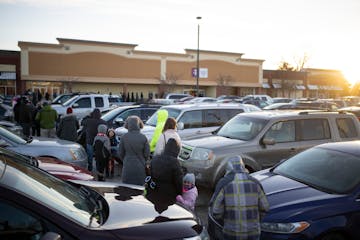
314,194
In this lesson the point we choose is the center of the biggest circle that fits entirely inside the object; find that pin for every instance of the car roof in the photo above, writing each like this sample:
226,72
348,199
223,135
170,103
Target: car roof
352,147
205,106
278,114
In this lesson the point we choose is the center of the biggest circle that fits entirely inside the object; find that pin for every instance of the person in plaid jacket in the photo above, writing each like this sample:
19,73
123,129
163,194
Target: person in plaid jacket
239,202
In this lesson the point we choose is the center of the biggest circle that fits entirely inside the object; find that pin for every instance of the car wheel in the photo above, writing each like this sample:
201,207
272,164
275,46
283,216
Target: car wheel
333,236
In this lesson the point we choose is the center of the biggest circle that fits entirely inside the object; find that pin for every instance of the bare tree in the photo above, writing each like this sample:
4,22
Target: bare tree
223,81
300,62
168,83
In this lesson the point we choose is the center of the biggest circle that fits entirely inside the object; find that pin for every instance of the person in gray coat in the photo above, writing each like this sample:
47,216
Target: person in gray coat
68,126
134,151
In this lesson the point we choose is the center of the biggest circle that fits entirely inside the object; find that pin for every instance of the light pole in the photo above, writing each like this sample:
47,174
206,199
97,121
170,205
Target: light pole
197,59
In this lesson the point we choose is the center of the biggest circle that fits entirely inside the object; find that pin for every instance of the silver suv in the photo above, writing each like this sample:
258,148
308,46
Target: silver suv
263,139
195,120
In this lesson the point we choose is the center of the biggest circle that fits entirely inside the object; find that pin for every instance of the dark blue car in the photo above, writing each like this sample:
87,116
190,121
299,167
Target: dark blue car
314,195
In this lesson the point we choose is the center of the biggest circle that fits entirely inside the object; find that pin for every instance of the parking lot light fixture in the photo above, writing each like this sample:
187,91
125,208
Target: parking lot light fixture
197,58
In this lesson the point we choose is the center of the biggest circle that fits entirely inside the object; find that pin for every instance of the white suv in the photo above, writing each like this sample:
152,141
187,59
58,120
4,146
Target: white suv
194,120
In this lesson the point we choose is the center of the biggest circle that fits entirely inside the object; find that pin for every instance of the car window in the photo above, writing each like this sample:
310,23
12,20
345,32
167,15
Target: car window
282,131
192,119
12,218
318,167
124,115
171,113
84,102
147,113
10,136
346,127
314,129
99,102
212,118
55,193
243,128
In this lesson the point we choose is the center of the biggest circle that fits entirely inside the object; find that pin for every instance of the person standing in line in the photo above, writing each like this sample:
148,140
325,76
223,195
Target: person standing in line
25,115
166,173
90,126
134,151
239,202
47,117
169,131
101,151
36,124
114,146
189,192
162,115
68,126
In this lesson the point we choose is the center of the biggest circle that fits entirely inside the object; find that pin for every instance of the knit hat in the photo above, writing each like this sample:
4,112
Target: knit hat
69,110
102,128
189,177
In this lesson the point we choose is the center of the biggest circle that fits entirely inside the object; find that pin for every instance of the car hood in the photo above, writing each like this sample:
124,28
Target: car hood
52,142
213,141
129,208
63,170
289,198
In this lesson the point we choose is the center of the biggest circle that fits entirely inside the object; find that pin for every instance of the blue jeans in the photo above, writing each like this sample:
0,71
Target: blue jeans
90,155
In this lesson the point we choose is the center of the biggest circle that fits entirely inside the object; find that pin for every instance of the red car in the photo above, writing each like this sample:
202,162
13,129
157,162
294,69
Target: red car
64,170
54,166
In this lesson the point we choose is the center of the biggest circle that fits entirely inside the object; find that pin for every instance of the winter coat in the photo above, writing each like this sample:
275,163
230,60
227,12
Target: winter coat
166,171
68,127
47,117
163,138
188,198
91,126
134,150
162,115
230,193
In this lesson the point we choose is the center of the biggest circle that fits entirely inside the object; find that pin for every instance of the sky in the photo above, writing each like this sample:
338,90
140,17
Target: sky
327,32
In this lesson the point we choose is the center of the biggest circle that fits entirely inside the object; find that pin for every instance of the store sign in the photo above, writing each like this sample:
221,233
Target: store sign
203,72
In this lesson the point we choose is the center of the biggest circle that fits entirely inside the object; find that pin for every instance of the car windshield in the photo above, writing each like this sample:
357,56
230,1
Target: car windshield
242,128
70,101
171,113
48,190
325,169
113,113
10,136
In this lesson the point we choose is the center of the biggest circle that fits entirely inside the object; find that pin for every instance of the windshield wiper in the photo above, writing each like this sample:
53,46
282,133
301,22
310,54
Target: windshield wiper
97,212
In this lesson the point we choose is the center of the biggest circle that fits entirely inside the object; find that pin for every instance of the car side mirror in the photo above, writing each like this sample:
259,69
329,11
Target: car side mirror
268,141
3,143
51,236
180,126
75,105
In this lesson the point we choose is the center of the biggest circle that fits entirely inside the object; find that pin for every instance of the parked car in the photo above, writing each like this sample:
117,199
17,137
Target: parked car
176,96
66,151
37,205
193,121
281,100
354,110
56,167
263,139
116,117
6,112
202,100
12,127
62,98
312,195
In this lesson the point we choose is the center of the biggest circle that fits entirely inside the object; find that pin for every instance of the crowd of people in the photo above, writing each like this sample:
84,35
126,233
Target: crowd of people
238,201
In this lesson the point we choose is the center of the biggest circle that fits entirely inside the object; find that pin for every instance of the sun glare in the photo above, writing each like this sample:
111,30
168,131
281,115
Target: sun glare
351,74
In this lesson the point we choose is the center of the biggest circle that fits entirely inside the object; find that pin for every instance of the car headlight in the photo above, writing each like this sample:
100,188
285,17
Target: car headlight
284,227
203,157
76,155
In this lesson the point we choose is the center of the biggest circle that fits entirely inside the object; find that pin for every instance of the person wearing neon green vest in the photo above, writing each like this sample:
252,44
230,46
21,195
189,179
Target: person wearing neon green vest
162,116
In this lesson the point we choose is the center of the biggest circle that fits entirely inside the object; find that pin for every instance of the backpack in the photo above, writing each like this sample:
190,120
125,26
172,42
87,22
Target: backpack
100,151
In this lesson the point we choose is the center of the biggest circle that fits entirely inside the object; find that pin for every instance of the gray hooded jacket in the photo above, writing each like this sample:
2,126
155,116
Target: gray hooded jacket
134,150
